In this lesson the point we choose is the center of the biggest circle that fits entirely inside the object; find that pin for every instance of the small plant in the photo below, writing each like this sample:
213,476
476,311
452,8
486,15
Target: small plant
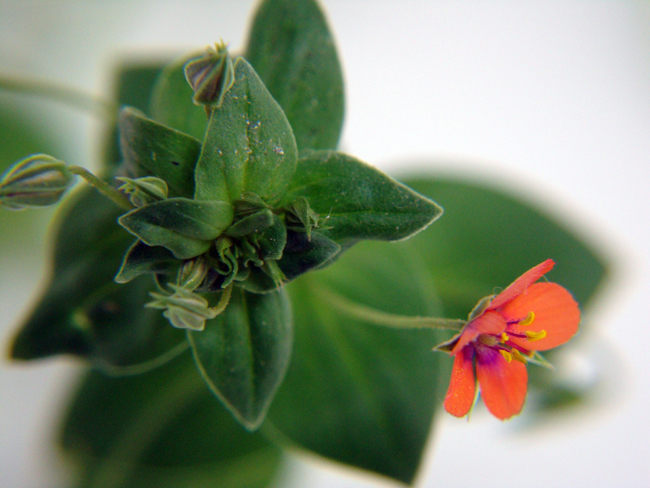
226,250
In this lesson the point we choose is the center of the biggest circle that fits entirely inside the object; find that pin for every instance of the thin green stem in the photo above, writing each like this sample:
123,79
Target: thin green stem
135,369
378,317
106,109
223,302
102,187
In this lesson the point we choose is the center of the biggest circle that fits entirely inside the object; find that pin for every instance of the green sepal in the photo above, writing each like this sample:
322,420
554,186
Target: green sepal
145,190
185,227
357,392
249,146
141,259
300,255
251,224
357,201
163,428
301,211
292,50
272,240
243,353
171,101
82,311
152,149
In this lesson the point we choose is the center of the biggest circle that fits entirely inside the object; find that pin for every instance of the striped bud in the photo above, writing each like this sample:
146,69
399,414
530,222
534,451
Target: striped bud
37,181
210,75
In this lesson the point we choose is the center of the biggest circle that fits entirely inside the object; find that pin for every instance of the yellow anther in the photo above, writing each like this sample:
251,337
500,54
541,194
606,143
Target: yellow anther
506,355
528,320
504,337
535,336
517,356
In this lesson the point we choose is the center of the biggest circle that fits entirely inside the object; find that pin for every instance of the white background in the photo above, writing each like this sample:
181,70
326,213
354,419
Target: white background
549,99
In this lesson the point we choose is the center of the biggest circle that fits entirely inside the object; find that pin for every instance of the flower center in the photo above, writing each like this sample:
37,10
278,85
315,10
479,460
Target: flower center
509,350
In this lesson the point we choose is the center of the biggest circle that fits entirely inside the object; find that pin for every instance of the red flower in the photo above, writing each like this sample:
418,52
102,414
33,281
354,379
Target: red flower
503,331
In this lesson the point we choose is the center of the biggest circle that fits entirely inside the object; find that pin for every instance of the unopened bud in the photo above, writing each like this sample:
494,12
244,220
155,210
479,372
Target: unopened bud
184,309
143,191
210,76
37,181
192,273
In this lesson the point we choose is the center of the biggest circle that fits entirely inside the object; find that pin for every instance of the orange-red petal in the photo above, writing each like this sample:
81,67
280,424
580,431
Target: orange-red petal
556,312
462,387
521,283
503,384
488,323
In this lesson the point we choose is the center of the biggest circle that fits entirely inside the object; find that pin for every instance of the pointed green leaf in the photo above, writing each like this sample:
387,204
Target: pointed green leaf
292,50
185,227
243,354
163,429
356,392
504,236
82,311
171,101
357,200
249,145
256,222
141,259
151,149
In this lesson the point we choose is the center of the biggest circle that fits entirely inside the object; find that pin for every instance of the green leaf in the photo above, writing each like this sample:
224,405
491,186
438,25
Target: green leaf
171,101
250,224
82,311
292,50
357,200
141,259
357,392
504,237
273,240
249,146
300,254
161,429
243,354
185,227
151,149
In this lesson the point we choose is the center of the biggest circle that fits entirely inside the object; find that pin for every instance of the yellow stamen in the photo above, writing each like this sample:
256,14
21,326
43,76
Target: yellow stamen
506,355
504,337
535,336
516,355
528,320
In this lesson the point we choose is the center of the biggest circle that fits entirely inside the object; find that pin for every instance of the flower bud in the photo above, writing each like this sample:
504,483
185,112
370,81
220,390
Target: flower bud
143,191
192,273
210,76
36,181
184,309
